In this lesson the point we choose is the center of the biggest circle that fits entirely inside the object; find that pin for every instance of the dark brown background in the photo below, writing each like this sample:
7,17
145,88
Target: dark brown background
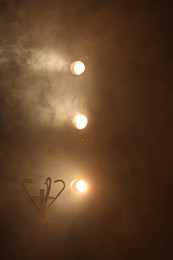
125,153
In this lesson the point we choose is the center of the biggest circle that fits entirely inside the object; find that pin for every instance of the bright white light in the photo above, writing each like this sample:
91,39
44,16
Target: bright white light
78,186
46,59
80,121
81,186
77,68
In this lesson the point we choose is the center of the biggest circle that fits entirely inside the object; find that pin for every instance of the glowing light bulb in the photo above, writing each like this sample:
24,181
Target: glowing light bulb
78,186
80,121
77,67
81,186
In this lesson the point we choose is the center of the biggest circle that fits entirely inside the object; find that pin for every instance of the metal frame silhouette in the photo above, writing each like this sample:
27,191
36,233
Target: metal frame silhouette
41,202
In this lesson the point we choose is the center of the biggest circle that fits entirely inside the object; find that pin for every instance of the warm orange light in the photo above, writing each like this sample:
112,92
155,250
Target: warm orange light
80,121
77,67
78,186
81,186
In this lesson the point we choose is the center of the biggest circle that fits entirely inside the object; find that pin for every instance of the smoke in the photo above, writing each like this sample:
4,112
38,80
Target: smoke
47,60
130,106
38,45
44,86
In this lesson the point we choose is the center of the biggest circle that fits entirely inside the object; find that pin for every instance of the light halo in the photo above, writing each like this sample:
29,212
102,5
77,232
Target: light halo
77,68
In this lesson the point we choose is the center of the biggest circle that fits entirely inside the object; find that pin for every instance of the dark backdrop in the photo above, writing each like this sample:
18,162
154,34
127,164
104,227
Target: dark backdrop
125,153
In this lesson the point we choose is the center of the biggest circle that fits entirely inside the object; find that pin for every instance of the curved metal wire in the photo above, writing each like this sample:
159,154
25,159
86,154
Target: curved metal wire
48,183
26,181
59,180
40,202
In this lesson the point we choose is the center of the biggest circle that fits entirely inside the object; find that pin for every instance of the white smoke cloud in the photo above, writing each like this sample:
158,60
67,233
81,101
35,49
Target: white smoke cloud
47,59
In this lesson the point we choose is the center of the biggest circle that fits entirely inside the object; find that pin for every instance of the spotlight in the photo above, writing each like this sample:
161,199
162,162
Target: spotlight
77,68
80,121
79,186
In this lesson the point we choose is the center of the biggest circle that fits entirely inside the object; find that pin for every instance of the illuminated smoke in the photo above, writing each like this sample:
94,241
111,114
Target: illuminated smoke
47,60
